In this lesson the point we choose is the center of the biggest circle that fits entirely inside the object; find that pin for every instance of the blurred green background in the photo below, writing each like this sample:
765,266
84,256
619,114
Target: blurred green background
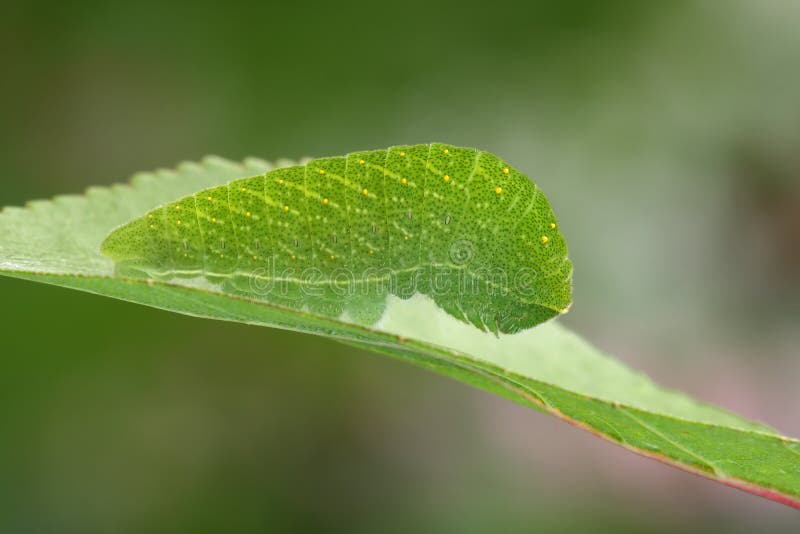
666,134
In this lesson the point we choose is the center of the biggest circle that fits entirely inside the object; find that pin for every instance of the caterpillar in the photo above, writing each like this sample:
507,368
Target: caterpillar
337,235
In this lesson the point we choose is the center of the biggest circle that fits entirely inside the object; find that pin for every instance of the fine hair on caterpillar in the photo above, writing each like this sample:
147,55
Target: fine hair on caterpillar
345,283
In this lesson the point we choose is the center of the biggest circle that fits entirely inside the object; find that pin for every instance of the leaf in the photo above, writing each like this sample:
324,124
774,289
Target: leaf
546,368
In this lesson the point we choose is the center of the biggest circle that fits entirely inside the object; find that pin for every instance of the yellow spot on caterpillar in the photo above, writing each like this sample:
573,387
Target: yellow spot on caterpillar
255,258
333,257
150,216
365,192
505,170
286,208
446,178
322,171
404,181
247,214
552,225
405,237
208,198
178,208
294,257
402,154
446,151
545,239
213,219
325,201
244,190
498,190
372,251
280,182
152,226
361,162
179,223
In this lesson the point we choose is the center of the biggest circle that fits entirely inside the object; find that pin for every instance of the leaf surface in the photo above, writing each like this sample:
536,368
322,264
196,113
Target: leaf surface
546,368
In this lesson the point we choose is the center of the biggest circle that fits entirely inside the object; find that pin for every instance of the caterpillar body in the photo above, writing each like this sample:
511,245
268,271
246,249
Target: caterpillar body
338,235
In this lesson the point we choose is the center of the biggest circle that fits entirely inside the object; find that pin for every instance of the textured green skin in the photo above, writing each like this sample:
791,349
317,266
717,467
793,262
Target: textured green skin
339,234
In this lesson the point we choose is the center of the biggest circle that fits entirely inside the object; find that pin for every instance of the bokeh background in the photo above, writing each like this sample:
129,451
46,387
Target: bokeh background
666,134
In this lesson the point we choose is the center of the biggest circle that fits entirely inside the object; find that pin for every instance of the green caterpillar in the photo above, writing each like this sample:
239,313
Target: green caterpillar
338,235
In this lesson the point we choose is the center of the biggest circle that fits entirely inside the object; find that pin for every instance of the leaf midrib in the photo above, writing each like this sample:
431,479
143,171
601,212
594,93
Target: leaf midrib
361,334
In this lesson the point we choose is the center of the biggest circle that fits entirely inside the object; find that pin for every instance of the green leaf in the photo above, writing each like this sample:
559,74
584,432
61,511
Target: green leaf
546,368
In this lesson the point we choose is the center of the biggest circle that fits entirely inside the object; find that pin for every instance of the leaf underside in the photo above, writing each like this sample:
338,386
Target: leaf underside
546,368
